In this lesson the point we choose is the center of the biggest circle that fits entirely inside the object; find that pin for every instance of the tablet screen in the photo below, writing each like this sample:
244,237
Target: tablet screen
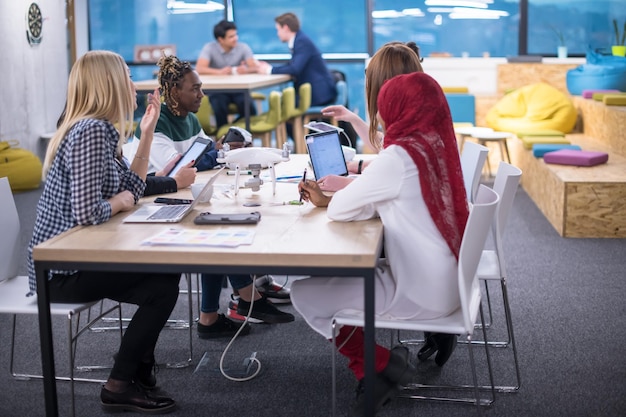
326,154
193,154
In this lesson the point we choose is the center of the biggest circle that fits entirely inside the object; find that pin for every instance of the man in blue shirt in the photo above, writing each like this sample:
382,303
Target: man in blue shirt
226,56
306,64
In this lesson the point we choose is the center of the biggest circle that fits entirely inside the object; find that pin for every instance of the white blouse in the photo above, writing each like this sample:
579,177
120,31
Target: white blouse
421,277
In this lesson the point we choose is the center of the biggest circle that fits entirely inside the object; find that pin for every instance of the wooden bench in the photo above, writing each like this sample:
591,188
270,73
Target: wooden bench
578,201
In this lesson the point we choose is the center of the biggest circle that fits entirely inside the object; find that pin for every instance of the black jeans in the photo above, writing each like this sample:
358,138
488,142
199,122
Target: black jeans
220,101
154,294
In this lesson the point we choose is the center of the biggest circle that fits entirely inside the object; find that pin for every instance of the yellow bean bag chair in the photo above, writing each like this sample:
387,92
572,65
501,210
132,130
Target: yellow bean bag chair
533,107
22,167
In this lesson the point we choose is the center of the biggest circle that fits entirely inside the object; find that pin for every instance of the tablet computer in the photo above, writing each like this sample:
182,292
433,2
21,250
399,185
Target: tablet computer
194,153
326,154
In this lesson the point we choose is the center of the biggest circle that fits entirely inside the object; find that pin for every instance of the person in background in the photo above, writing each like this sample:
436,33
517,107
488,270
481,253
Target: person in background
178,124
87,183
226,56
395,58
306,64
415,186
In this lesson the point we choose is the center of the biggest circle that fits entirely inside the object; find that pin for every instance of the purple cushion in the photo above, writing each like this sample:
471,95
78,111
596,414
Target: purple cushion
574,157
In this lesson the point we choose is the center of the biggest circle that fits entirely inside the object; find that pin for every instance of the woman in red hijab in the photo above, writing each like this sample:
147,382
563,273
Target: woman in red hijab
415,186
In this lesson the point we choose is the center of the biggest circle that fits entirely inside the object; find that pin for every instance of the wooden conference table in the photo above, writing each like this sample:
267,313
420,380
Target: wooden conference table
289,239
228,84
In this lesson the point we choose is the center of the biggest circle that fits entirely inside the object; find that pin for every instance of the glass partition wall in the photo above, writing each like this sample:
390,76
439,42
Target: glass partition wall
349,31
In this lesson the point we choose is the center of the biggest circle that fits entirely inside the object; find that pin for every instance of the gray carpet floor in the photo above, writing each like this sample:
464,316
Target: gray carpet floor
567,297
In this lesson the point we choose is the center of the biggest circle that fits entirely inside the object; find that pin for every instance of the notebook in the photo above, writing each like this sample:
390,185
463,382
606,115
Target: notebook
168,214
326,154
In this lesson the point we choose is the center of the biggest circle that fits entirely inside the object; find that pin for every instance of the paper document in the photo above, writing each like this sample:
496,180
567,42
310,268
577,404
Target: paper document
185,237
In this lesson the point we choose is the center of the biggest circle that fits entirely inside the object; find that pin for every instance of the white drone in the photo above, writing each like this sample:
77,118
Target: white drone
253,159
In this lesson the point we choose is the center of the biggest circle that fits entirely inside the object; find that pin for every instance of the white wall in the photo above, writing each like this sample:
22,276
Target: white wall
34,78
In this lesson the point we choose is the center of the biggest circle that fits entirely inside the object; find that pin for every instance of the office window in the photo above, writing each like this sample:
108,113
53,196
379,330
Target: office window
583,25
334,26
122,25
449,27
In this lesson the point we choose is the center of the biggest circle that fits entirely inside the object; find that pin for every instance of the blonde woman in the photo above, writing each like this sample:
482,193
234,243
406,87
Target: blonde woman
87,182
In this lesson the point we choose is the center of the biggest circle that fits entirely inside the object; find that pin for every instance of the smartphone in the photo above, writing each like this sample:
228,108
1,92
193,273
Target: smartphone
194,153
163,200
321,127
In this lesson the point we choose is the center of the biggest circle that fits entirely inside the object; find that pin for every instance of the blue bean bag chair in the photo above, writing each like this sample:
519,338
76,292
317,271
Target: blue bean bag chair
601,72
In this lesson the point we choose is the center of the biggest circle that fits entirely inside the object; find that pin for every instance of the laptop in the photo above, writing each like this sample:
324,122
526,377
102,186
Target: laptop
173,213
326,154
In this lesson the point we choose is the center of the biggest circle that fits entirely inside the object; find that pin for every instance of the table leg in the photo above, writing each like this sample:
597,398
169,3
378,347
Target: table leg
47,349
246,109
370,340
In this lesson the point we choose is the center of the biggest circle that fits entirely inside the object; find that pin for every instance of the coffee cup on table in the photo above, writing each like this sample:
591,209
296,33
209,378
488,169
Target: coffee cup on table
196,190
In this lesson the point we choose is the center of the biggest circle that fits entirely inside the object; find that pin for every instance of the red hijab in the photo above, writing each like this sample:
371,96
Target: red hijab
417,118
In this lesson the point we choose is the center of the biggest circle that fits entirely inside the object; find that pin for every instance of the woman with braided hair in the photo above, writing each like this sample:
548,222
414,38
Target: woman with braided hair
178,127
176,130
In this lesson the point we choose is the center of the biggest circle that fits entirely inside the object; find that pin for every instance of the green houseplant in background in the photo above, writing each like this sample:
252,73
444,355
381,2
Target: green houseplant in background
619,49
561,48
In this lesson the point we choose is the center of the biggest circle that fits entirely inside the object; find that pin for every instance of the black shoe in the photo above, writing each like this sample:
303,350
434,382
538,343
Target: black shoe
135,399
445,346
264,310
429,348
223,327
384,391
399,370
442,343
273,291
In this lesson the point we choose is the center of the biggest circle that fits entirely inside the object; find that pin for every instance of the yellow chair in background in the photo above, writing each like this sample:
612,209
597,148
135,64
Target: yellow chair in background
294,115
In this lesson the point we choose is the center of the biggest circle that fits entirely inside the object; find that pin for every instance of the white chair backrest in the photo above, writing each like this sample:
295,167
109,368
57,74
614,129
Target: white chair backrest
478,224
473,159
505,184
9,232
342,93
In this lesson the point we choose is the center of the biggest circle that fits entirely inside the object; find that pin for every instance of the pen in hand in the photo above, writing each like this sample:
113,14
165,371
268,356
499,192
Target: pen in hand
303,180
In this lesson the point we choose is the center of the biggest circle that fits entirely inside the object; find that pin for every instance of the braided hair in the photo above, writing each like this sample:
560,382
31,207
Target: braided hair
171,73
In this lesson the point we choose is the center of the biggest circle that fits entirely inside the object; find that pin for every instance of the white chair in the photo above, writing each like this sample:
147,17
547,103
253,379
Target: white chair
473,159
492,266
462,320
14,289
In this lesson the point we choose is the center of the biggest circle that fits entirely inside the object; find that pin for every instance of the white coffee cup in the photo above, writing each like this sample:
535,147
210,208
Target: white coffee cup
197,188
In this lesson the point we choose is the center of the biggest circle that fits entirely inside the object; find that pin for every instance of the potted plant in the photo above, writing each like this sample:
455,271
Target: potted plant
619,49
561,49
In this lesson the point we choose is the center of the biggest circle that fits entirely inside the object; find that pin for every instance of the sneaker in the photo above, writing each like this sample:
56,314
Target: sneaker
276,293
264,310
233,315
223,327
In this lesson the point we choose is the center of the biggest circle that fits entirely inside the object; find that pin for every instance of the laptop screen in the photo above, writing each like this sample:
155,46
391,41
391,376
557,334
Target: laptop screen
326,154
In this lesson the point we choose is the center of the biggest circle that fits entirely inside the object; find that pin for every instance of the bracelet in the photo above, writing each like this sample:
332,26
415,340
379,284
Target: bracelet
143,158
358,171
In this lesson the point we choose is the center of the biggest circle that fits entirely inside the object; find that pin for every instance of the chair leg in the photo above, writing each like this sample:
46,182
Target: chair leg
334,369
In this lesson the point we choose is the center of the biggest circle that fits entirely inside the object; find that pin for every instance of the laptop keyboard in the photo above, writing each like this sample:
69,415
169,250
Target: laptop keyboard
169,212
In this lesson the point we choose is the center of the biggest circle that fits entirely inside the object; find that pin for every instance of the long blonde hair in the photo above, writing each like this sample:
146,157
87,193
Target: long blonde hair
393,58
99,87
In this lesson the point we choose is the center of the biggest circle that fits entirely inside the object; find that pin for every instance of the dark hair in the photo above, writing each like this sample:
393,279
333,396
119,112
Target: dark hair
290,20
220,29
415,49
171,73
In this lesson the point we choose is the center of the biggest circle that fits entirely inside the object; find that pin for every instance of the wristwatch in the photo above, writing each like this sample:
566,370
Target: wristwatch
360,169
